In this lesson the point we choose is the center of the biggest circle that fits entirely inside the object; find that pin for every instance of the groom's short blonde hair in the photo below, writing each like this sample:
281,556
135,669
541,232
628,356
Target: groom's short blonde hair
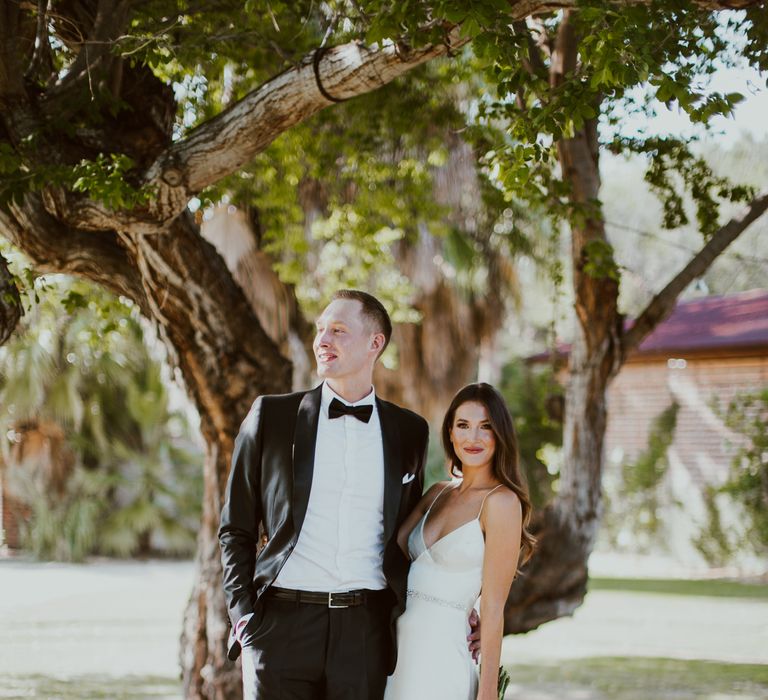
373,311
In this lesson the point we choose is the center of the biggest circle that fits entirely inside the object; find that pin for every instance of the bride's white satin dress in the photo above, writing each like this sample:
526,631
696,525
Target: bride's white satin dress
433,658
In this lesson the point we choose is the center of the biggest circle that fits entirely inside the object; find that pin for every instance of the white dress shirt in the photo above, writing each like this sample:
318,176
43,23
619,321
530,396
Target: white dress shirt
341,544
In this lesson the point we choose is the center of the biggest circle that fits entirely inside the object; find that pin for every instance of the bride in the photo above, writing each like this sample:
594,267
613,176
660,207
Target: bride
464,535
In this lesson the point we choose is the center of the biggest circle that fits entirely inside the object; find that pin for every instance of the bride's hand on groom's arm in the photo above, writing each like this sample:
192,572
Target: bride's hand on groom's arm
474,636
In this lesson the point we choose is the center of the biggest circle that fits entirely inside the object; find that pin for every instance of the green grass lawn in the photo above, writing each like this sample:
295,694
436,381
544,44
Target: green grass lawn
602,678
718,588
90,688
608,678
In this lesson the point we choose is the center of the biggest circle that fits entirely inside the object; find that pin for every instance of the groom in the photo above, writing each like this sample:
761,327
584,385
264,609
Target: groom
330,474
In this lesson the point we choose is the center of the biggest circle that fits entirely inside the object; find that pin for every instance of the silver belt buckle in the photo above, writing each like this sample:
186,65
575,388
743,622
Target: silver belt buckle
330,602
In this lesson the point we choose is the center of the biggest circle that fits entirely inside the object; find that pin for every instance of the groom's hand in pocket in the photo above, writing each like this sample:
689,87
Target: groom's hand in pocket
474,635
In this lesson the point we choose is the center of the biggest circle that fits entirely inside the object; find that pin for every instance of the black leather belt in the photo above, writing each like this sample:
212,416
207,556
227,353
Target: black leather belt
342,599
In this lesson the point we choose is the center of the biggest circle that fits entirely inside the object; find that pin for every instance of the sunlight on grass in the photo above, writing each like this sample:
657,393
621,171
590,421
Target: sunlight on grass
638,679
600,678
717,588
91,687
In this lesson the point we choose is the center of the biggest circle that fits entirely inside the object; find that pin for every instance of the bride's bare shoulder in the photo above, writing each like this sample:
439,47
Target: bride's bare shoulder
502,504
437,487
431,494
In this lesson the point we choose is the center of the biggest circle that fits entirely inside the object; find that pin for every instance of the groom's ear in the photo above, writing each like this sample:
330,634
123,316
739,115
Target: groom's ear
377,342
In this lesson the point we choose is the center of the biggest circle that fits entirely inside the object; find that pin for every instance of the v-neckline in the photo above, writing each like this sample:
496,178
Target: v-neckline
426,517
447,534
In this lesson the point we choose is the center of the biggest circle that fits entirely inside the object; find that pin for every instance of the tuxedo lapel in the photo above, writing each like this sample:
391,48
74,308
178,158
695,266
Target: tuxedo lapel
304,441
393,465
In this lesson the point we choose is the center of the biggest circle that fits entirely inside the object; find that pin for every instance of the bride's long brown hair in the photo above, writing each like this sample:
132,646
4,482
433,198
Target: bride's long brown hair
506,463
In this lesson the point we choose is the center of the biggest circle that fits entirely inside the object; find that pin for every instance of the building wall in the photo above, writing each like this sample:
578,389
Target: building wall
703,447
10,515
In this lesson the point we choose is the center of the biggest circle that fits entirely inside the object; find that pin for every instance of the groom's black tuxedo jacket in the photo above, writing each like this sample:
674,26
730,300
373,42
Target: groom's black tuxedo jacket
269,484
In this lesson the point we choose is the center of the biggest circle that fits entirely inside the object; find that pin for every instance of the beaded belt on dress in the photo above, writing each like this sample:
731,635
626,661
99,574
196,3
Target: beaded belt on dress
432,599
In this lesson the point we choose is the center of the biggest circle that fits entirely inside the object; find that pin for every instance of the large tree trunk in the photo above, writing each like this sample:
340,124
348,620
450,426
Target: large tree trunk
226,360
555,580
206,671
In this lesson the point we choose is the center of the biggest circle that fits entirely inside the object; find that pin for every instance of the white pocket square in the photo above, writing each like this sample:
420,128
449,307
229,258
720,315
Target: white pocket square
408,478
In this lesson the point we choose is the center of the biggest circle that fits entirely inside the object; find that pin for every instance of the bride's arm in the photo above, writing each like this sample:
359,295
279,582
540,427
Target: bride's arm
421,507
502,521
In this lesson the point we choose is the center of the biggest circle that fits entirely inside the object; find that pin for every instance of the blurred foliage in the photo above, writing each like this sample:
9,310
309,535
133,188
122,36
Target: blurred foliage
340,196
629,61
126,478
633,505
746,489
672,161
646,472
535,400
649,256
373,158
713,542
436,468
367,183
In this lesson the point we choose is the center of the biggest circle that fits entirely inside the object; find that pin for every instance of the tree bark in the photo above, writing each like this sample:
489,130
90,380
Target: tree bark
237,236
555,580
206,672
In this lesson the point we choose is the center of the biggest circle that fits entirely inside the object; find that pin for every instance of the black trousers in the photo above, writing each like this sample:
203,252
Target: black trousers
302,651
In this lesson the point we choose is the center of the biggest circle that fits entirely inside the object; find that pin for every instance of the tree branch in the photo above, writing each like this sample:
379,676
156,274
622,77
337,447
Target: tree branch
662,305
527,8
225,355
534,64
54,247
111,18
566,50
41,40
228,141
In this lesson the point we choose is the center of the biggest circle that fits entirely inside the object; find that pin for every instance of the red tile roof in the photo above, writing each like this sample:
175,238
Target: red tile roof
732,321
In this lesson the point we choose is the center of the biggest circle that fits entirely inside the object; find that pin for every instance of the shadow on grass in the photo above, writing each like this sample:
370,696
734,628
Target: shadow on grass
638,679
90,687
715,588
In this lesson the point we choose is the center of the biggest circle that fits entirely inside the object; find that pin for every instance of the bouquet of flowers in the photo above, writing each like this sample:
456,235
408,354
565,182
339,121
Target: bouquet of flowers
504,680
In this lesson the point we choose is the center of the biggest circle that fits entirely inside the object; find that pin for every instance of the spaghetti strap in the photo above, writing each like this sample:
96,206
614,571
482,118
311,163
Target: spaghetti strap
434,500
486,496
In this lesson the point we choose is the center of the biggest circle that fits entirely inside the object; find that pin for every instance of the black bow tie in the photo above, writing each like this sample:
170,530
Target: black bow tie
338,409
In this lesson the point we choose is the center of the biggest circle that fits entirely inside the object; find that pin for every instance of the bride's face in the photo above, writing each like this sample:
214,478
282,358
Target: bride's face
472,435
